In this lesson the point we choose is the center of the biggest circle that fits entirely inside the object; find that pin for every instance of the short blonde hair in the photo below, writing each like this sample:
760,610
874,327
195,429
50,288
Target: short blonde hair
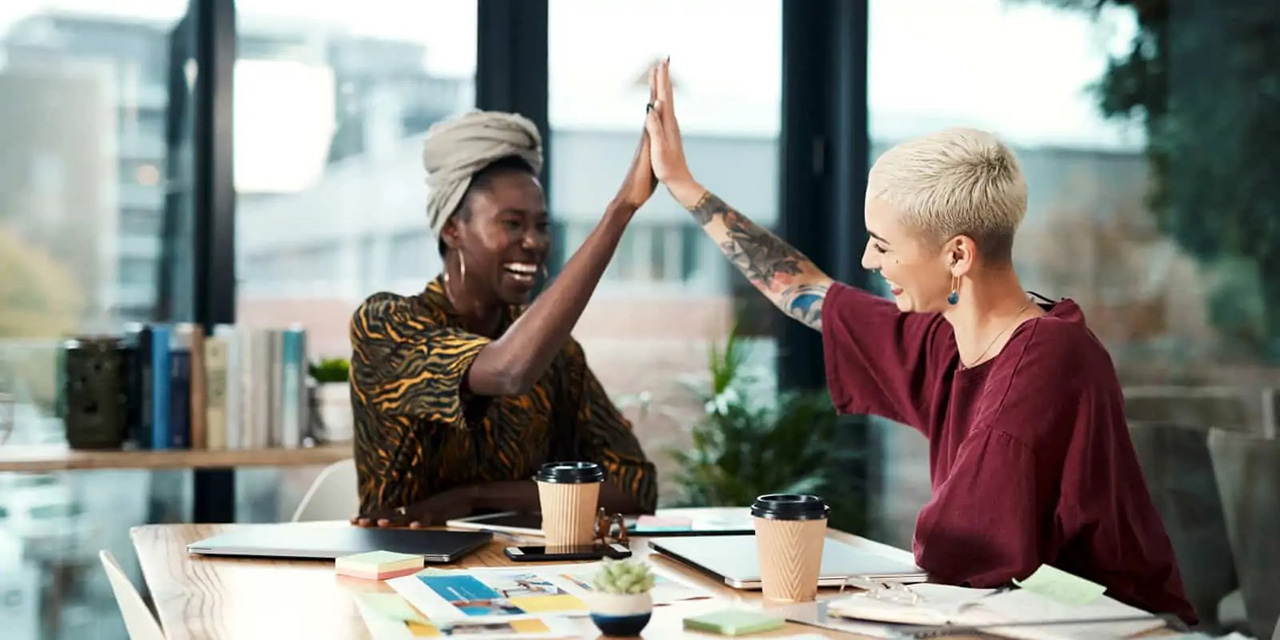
957,181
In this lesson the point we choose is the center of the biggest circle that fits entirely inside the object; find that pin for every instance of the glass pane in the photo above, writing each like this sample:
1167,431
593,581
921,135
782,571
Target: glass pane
331,104
669,293
1147,139
82,190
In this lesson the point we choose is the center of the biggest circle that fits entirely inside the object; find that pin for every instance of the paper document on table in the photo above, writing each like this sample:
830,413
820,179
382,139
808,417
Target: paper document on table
667,589
937,604
390,620
941,605
1021,605
1060,586
510,593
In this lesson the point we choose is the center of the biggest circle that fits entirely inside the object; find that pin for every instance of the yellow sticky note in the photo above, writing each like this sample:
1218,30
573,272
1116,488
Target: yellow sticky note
529,625
419,630
393,606
563,603
1062,587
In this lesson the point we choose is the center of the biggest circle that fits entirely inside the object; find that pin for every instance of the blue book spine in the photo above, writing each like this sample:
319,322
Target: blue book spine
180,398
292,381
160,385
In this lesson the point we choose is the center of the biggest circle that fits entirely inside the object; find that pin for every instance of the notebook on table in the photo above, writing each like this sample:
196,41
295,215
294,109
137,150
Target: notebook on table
733,559
1026,613
307,541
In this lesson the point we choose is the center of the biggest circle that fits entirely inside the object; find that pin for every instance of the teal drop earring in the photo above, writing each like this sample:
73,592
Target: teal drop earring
954,296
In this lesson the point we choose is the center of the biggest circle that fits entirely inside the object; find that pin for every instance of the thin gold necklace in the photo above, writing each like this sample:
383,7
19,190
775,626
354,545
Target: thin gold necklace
1012,324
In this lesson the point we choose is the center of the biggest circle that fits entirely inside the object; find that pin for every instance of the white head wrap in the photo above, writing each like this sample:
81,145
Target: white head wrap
456,149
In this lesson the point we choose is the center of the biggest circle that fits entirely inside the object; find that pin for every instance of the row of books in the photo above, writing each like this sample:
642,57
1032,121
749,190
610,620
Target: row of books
238,388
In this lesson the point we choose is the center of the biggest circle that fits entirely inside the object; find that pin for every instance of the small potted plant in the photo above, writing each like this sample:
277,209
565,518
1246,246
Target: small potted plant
620,601
333,398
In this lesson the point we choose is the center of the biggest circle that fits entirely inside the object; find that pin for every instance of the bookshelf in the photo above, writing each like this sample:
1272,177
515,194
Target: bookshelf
58,457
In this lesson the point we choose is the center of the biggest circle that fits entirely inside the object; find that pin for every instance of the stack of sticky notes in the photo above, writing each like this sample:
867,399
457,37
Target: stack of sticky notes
734,622
378,565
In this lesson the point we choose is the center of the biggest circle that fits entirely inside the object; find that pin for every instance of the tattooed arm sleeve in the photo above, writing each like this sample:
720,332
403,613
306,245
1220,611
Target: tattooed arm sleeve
784,275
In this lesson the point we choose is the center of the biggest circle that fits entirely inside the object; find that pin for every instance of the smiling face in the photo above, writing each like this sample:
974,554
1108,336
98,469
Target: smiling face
502,236
918,269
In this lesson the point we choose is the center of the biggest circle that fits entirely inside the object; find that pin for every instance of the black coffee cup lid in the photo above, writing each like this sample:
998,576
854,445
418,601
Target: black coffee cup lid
570,473
790,506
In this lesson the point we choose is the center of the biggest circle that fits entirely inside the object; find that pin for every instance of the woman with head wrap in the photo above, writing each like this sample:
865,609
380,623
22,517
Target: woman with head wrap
462,391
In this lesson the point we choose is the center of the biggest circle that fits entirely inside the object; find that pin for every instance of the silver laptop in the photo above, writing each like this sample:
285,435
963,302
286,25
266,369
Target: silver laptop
324,542
733,559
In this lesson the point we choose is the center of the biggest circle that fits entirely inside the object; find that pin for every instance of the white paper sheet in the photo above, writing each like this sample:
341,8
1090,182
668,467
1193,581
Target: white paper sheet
385,628
512,593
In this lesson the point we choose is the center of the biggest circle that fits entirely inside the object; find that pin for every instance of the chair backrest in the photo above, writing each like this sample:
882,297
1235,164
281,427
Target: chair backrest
1248,473
1179,472
1196,406
138,620
333,495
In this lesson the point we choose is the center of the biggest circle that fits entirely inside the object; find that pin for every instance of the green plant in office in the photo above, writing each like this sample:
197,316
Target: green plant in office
331,370
745,445
623,577
620,602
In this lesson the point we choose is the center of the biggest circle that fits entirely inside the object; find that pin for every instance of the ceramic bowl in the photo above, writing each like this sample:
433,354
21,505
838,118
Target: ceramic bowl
620,615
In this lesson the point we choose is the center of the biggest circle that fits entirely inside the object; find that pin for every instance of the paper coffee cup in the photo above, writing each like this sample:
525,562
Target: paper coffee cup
790,531
569,493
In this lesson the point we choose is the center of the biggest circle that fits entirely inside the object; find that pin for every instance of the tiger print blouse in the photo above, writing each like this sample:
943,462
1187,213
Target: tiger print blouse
418,431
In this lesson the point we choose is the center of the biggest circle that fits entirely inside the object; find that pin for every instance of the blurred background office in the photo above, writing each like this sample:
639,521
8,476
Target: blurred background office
258,163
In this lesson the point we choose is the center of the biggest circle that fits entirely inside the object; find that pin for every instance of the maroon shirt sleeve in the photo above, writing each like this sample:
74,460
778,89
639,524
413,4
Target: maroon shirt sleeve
1047,474
879,360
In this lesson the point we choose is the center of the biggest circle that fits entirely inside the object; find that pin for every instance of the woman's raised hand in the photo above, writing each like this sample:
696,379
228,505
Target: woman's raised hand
640,181
666,147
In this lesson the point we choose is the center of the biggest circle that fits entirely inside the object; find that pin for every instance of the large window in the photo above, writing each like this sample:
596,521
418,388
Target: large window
331,104
669,293
82,152
330,107
1147,139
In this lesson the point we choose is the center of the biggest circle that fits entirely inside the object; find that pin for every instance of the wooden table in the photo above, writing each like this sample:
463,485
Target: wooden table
201,597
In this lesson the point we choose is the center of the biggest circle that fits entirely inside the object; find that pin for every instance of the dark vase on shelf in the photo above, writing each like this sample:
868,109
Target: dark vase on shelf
95,393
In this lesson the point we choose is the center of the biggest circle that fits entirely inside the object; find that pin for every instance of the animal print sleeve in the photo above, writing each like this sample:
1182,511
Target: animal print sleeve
405,367
605,436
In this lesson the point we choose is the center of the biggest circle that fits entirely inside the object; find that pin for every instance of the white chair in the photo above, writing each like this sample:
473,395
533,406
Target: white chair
333,495
138,620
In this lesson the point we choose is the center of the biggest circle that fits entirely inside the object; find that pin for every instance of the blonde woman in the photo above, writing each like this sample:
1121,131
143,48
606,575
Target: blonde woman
1029,452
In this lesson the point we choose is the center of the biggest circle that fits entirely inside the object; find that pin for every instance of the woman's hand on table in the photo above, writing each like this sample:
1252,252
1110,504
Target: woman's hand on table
432,512
458,502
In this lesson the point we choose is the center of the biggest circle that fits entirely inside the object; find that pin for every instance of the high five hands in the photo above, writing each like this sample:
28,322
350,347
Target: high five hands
666,145
660,154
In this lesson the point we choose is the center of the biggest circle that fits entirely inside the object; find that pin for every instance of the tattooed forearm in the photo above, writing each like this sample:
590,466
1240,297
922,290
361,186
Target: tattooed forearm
778,270
804,303
759,254
708,207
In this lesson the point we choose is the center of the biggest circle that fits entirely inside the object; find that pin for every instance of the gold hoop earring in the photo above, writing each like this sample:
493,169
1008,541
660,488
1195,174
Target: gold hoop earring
462,268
